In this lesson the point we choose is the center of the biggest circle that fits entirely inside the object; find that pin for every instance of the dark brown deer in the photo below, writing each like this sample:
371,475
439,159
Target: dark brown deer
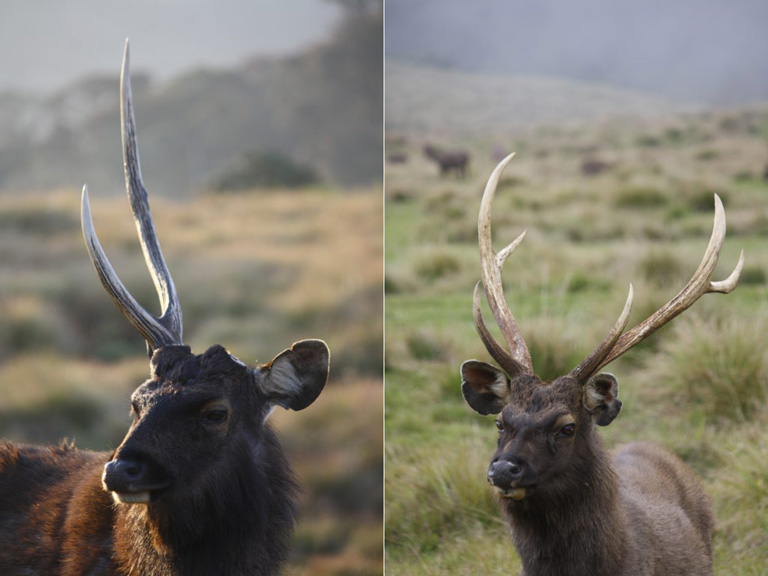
199,484
574,508
448,160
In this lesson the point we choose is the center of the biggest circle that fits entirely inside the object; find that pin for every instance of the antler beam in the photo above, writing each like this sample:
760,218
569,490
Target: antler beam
518,359
167,329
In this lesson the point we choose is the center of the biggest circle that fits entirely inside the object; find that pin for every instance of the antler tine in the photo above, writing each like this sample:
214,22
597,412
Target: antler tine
701,283
519,361
167,329
171,309
496,351
153,332
590,364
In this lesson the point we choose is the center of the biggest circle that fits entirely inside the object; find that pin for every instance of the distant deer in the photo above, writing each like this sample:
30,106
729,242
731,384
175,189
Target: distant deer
448,160
199,484
574,508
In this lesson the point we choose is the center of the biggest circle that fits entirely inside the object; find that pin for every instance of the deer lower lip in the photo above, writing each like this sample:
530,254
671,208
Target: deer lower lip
132,497
513,493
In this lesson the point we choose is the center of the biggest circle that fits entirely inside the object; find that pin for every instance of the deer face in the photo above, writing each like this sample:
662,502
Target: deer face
195,410
546,428
541,425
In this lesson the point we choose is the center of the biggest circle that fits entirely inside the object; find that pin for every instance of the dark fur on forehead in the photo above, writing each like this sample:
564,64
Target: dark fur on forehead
531,394
178,365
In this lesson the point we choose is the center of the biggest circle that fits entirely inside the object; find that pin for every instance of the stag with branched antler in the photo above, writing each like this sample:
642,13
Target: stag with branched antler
574,507
199,484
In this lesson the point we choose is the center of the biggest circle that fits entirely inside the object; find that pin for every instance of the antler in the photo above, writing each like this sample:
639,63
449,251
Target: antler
519,360
167,329
701,283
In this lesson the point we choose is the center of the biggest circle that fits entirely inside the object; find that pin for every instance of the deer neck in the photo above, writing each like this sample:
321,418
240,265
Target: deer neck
578,529
246,518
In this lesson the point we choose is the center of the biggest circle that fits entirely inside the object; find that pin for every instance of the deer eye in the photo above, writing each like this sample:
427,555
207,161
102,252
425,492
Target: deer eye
499,426
568,429
216,416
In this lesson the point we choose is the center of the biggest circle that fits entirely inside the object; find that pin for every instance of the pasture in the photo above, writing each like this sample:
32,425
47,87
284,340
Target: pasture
641,212
255,272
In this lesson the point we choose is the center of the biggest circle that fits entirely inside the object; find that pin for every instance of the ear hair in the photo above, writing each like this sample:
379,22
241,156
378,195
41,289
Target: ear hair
484,387
601,398
295,377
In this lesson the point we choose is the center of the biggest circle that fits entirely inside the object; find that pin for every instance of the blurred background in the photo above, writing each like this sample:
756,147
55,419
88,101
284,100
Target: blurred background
626,118
260,133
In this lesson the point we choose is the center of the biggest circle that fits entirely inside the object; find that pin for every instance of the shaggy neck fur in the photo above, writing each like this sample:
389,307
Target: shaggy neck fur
577,528
244,516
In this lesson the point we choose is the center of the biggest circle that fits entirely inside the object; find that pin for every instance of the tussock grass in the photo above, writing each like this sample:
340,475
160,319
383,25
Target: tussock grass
697,387
720,366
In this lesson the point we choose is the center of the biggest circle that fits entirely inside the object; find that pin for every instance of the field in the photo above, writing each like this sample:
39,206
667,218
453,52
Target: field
255,272
605,204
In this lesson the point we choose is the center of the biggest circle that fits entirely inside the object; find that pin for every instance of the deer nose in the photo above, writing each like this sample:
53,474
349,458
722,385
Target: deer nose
122,474
503,473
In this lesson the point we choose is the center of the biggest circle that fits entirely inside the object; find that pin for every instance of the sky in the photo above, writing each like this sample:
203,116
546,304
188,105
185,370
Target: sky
44,44
704,51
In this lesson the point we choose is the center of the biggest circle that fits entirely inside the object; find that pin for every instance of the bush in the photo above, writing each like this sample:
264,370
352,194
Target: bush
265,170
720,366
641,197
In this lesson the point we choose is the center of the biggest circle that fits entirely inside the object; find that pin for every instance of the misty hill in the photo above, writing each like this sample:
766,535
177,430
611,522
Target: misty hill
322,108
433,101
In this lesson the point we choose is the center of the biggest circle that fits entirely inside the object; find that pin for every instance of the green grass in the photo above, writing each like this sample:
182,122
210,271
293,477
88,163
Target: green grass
698,386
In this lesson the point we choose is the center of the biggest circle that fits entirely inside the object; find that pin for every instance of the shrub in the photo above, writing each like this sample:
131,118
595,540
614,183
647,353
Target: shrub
436,265
264,170
721,366
641,197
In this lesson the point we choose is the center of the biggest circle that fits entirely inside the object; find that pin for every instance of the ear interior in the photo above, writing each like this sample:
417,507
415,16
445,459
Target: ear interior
485,387
601,398
295,377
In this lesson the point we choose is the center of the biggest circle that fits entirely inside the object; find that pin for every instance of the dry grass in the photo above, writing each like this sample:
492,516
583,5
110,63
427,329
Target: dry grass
255,273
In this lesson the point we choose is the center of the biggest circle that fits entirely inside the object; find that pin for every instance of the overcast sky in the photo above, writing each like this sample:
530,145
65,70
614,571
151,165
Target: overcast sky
46,43
695,50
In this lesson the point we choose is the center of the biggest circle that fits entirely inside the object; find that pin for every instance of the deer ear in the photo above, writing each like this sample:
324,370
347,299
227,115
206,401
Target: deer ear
295,377
601,398
485,387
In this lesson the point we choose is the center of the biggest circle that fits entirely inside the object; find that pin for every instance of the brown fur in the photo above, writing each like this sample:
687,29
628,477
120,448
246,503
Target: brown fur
221,494
587,512
448,160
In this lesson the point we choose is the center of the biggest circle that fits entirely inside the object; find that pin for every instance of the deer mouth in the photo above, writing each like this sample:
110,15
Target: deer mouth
132,497
513,493
139,496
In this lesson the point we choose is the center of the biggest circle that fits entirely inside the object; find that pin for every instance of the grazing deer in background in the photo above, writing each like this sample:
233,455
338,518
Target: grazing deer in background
575,508
456,160
199,484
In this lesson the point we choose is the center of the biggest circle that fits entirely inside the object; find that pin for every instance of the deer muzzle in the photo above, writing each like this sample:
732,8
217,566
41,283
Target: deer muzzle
511,477
134,479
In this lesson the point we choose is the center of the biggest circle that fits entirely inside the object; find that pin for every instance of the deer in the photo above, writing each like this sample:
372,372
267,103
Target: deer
200,483
574,508
448,160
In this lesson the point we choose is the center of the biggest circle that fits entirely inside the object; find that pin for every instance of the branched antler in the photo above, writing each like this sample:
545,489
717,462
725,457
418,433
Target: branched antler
167,329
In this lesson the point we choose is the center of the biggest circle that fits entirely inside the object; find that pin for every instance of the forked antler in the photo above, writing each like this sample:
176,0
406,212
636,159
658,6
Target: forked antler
700,283
518,359
167,329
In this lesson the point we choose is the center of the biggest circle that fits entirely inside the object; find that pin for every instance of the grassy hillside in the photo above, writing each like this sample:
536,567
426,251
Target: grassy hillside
322,107
431,101
255,272
699,386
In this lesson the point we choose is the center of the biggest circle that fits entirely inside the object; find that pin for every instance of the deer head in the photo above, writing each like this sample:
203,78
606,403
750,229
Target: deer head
198,416
544,425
